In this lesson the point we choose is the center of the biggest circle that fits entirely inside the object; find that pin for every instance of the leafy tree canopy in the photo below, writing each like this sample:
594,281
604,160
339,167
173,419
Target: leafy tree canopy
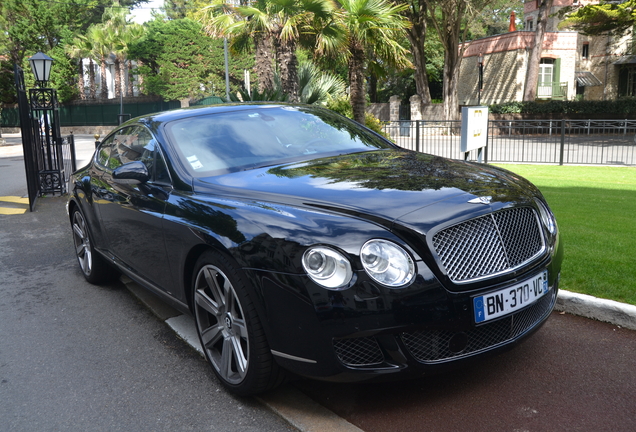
179,61
597,19
28,26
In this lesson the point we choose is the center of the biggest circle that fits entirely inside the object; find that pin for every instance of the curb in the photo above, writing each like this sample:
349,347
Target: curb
610,311
293,406
306,415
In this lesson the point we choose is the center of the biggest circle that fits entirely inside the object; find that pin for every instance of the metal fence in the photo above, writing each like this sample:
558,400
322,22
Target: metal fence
607,142
108,114
93,115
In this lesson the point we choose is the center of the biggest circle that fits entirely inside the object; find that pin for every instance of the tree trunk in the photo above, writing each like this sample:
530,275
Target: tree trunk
288,64
450,27
122,77
416,35
140,79
117,78
263,65
131,79
534,60
80,80
452,64
92,85
451,103
356,81
104,90
373,88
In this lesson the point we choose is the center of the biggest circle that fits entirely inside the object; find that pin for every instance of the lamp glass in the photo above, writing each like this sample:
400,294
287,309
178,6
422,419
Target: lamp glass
41,66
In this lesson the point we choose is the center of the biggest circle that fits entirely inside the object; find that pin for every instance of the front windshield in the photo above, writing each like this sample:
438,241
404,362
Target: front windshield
260,136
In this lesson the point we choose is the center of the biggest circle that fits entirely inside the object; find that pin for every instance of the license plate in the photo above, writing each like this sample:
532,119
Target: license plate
511,299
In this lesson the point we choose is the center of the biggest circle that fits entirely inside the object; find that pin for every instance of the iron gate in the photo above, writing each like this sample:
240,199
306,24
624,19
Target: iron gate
48,158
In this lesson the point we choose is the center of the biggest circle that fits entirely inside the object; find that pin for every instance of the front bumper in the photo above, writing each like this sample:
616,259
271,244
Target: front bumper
353,338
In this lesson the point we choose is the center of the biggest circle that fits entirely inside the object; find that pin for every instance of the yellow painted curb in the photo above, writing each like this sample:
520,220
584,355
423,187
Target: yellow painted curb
14,199
11,211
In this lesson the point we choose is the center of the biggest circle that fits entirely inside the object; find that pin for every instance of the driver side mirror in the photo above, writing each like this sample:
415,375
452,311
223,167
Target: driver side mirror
135,171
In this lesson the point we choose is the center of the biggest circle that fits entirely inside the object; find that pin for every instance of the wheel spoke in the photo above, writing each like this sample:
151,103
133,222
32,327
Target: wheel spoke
78,230
240,328
239,356
228,297
225,368
207,303
86,262
211,336
216,290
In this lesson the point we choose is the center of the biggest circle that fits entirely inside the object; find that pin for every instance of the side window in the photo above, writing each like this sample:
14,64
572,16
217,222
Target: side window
127,145
134,143
161,170
103,157
154,161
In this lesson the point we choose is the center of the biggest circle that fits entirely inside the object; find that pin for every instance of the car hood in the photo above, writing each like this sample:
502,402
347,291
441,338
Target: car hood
383,186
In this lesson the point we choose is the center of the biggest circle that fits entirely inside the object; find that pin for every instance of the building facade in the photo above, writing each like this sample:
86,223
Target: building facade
573,66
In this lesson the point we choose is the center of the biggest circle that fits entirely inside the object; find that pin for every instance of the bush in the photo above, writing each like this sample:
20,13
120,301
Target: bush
342,106
625,106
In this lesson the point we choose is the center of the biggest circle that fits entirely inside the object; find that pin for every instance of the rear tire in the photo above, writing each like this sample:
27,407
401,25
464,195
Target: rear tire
94,268
229,328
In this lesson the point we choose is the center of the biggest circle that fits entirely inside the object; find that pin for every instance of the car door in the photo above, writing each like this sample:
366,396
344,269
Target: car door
132,212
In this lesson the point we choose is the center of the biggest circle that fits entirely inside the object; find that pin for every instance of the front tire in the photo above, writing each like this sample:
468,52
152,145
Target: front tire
229,329
93,266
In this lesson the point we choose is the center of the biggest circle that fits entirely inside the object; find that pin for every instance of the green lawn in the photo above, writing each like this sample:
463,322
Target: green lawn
596,212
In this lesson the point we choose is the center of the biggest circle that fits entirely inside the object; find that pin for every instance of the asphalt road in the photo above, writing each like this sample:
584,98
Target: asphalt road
574,374
76,357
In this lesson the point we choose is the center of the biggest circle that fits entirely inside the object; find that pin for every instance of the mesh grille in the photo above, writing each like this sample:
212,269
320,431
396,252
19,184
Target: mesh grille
433,345
489,244
358,351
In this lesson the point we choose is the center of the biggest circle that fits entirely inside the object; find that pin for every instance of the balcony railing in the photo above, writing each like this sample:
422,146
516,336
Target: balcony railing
553,90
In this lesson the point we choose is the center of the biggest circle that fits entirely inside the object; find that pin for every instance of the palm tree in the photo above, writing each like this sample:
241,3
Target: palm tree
243,26
277,24
369,25
79,49
101,49
116,23
316,86
122,39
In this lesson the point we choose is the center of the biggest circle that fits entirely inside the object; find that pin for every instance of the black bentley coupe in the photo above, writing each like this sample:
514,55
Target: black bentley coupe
303,242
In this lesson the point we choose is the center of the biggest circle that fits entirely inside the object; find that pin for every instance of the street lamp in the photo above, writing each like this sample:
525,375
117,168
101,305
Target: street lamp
480,60
41,67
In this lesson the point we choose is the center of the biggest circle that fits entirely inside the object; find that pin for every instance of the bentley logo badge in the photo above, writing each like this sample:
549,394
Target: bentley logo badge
481,200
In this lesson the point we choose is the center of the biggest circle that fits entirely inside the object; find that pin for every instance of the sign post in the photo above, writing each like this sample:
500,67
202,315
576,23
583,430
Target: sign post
474,130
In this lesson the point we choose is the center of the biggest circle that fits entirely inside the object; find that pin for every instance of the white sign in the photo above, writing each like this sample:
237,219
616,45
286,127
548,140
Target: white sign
474,127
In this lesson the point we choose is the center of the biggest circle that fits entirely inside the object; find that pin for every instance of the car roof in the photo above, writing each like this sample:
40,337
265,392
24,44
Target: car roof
176,114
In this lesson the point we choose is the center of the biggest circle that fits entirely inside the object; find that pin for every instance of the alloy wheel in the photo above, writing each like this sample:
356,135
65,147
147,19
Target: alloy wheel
221,324
82,243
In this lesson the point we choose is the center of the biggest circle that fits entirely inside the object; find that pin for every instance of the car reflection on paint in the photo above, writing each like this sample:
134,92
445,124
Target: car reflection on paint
303,243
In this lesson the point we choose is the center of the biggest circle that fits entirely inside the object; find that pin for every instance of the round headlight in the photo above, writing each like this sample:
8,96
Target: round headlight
546,216
387,263
327,267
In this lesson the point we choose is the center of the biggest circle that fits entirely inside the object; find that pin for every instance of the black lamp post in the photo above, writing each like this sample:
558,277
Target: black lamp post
47,145
41,68
480,60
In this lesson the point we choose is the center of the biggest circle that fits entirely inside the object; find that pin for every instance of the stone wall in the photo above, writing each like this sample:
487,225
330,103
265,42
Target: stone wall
506,62
504,74
380,111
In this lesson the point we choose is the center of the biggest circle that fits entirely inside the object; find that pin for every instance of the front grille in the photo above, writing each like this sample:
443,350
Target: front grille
429,346
490,244
358,352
